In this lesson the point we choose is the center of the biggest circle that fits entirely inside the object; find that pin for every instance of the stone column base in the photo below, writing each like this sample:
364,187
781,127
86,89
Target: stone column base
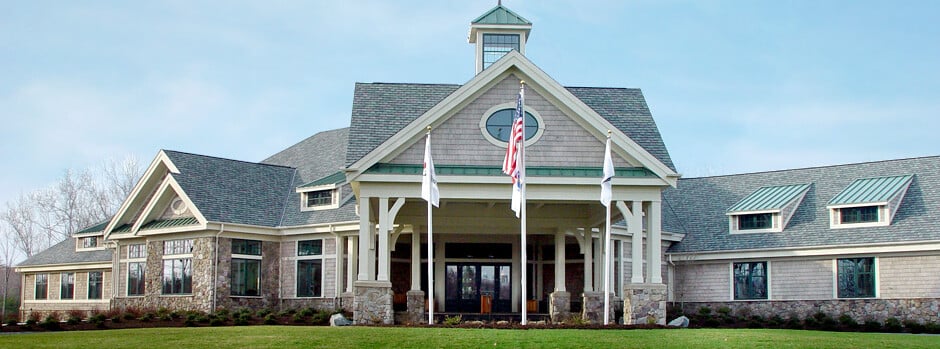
559,306
372,303
644,304
416,307
346,301
593,309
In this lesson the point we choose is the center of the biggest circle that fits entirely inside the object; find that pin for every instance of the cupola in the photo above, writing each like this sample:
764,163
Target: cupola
497,32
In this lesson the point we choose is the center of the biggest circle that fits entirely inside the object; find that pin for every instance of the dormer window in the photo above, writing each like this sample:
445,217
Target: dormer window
323,193
90,242
868,202
767,209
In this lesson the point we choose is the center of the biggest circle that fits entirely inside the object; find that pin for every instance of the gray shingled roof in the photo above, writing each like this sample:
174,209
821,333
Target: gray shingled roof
380,110
64,253
697,207
234,191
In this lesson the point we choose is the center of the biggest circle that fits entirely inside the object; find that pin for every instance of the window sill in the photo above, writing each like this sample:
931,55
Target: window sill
249,297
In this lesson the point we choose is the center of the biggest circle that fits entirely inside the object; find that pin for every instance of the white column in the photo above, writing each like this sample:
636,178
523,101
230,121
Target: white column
636,254
588,238
353,264
654,242
340,264
560,261
366,245
415,259
384,228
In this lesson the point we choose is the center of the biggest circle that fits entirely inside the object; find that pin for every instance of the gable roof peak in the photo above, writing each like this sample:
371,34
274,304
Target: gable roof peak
500,15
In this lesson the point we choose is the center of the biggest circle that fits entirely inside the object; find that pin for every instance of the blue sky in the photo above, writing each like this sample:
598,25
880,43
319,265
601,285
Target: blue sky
735,86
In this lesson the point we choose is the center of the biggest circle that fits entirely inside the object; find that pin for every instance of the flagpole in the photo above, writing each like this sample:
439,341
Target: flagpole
430,255
522,205
607,255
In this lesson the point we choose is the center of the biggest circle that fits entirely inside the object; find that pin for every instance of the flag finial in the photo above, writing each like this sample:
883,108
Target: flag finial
429,129
521,82
608,131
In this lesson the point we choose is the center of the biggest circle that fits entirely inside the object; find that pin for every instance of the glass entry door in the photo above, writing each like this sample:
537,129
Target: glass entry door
469,283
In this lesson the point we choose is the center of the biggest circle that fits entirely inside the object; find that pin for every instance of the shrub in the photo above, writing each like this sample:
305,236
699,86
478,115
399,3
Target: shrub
776,321
914,326
176,314
872,325
51,322
263,312
794,323
932,327
724,311
848,321
711,322
704,311
241,319
893,325
270,319
286,312
166,317
306,312
453,320
12,322
321,317
189,322
217,321
298,317
147,317
810,323
222,312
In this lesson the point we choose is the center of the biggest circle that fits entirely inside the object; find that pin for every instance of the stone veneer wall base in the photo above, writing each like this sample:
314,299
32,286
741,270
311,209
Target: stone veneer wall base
416,310
922,310
593,309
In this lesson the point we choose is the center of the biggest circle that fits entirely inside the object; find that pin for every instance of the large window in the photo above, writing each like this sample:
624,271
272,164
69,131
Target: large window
755,221
246,276
750,280
864,214
178,276
310,278
495,46
94,284
310,268
67,286
42,286
135,278
856,277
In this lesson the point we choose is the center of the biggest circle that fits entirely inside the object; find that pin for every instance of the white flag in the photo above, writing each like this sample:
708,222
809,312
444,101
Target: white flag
429,191
606,191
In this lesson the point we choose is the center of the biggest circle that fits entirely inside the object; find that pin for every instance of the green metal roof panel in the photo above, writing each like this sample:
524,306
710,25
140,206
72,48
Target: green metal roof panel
166,223
871,190
126,228
769,198
97,228
336,178
457,170
500,15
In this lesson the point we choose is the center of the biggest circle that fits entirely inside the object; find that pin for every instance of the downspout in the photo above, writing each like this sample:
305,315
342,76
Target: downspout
215,267
115,272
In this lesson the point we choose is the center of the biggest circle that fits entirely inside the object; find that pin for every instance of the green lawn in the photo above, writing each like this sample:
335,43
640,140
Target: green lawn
400,337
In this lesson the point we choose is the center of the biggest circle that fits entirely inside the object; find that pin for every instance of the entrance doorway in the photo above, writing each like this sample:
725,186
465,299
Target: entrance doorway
470,286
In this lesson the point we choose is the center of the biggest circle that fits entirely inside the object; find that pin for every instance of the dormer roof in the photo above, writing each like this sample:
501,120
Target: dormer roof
878,190
769,198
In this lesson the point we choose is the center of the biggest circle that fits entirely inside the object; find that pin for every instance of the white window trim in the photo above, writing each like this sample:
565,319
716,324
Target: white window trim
775,222
88,284
731,281
511,105
835,277
336,193
322,259
143,259
80,246
835,216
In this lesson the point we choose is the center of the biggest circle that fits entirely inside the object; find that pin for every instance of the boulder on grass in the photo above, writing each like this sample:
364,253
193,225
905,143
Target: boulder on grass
339,320
681,321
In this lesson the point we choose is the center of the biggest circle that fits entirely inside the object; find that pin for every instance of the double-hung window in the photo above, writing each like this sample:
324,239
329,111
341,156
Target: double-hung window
246,268
178,267
310,268
136,269
750,280
42,286
67,286
94,284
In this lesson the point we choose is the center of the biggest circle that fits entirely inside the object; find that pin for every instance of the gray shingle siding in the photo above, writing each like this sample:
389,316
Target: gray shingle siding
697,208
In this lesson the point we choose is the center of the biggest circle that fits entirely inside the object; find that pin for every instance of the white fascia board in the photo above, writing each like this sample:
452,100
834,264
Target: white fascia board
63,267
863,204
340,228
816,251
148,177
739,213
316,188
502,191
595,181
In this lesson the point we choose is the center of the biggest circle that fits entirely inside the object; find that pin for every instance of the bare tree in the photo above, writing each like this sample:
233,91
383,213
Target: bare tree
7,256
21,225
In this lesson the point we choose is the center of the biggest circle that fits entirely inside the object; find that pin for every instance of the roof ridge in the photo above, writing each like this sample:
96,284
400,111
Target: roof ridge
407,83
820,167
226,159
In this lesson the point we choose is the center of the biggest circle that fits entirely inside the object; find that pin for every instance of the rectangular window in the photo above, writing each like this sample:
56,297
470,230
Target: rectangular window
67,289
246,276
94,284
246,247
42,286
310,248
310,278
136,251
184,246
178,276
135,278
864,214
320,198
856,277
90,242
755,221
495,46
750,280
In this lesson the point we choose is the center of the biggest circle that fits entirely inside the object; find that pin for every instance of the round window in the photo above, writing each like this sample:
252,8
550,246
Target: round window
499,124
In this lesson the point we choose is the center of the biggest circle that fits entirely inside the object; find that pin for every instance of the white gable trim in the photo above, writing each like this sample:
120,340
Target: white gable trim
160,166
513,63
152,210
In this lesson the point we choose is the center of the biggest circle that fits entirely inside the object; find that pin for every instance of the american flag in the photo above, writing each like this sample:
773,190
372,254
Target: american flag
511,163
